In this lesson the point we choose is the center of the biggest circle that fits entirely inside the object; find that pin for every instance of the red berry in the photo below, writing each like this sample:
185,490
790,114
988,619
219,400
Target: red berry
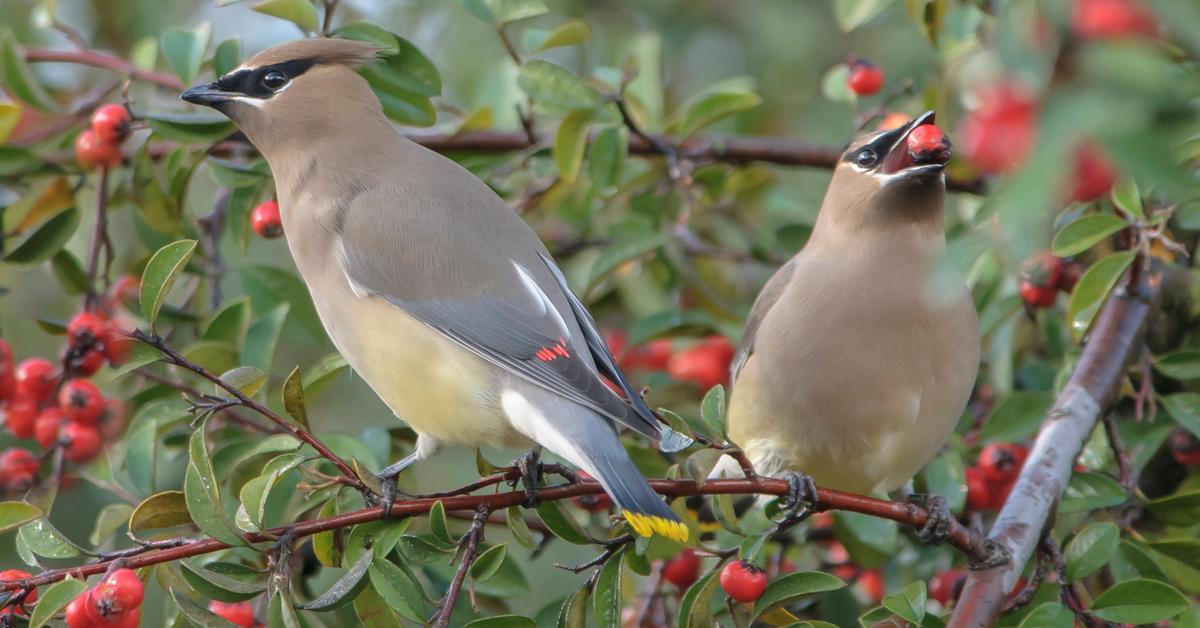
654,355
17,574
131,619
616,340
1001,462
87,363
266,221
81,401
8,376
112,420
47,427
979,494
104,610
82,442
117,348
927,144
1185,449
946,585
77,612
871,584
36,379
705,364
236,613
997,136
865,77
1111,19
683,570
87,329
127,290
20,416
743,581
111,123
124,587
1037,296
1094,174
18,469
91,151
1040,275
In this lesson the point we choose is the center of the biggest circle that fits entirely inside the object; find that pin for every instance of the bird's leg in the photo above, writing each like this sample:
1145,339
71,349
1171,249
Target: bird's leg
797,504
937,526
529,466
425,447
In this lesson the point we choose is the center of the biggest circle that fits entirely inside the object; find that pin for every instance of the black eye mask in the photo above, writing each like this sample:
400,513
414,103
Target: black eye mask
250,82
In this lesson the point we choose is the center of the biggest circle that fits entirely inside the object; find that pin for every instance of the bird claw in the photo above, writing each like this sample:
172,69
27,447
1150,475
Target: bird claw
797,504
937,527
387,498
529,467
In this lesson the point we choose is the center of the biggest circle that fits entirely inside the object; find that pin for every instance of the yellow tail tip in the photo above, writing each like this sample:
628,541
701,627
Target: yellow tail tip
649,525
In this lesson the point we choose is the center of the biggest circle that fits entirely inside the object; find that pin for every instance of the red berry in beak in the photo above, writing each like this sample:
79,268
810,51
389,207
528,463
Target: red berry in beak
927,144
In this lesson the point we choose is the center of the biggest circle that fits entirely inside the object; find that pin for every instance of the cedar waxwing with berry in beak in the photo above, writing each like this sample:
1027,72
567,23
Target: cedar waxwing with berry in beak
441,298
860,353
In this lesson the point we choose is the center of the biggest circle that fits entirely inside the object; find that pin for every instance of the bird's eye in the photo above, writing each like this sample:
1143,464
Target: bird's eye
274,79
866,158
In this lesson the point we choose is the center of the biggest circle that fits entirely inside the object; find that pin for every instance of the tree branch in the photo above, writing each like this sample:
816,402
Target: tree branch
101,60
470,550
1094,385
99,237
964,539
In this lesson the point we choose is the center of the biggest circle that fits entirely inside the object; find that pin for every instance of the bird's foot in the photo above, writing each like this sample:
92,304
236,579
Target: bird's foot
937,527
797,505
530,471
386,497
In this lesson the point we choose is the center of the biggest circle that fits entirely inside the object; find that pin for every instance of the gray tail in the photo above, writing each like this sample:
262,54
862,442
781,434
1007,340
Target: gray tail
644,509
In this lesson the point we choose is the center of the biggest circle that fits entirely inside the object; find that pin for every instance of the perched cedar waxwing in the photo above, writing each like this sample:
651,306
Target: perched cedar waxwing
430,285
860,353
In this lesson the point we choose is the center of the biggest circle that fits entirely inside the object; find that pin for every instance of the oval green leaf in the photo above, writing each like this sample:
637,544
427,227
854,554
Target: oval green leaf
1082,234
1093,289
1091,549
160,274
1139,602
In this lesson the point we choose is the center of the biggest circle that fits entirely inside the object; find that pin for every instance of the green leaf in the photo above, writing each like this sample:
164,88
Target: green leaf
573,613
1082,234
671,322
345,589
373,612
293,398
43,539
323,372
217,357
47,240
226,56
851,14
398,589
1090,491
302,13
1093,288
713,107
246,379
268,286
569,33
695,609
230,323
870,540
69,272
570,142
1181,365
487,563
220,587
162,510
185,49
263,337
1125,195
945,476
499,12
255,493
405,71
562,524
606,592
909,603
141,455
556,88
160,274
834,85
1185,409
327,545
788,589
19,80
1133,560
620,252
607,157
380,37
110,519
189,128
700,464
1181,509
437,523
1016,417
712,409
407,108
197,615
234,175
203,494
502,621
54,599
518,529
380,536
1049,615
1091,549
1139,602
16,514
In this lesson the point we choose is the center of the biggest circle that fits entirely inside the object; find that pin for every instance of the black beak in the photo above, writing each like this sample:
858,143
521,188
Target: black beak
208,95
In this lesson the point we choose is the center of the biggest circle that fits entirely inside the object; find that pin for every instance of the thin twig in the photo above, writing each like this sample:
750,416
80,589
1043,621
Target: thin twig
327,24
99,237
213,225
186,388
1120,454
101,60
470,550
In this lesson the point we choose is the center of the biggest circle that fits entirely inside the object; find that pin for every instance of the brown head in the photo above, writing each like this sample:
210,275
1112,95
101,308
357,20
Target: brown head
878,182
296,93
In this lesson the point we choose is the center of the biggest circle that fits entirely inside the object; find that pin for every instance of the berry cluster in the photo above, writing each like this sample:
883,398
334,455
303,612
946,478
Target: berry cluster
1112,19
992,477
115,602
17,609
100,145
705,363
61,407
1043,275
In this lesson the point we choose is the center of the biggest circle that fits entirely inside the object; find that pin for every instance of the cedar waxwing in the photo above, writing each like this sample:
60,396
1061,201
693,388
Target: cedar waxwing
860,353
441,298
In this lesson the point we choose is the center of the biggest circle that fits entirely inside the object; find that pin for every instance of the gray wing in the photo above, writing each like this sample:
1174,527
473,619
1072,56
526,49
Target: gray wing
763,304
483,280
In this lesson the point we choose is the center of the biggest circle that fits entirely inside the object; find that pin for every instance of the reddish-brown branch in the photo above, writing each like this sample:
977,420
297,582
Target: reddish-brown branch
960,537
470,551
101,60
99,236
1114,341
